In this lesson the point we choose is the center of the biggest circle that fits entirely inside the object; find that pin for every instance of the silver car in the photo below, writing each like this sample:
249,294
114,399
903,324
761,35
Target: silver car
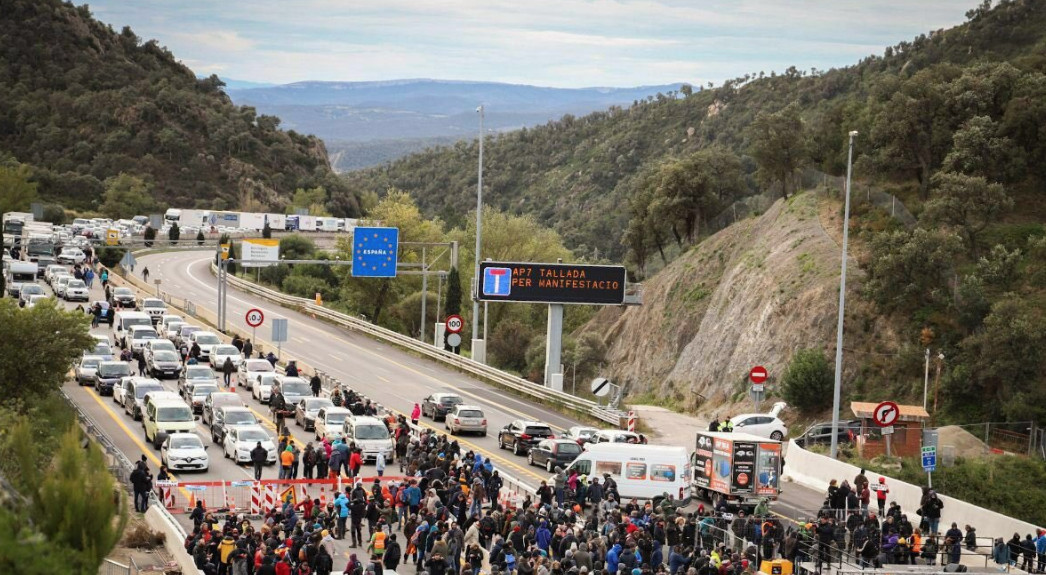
466,418
86,368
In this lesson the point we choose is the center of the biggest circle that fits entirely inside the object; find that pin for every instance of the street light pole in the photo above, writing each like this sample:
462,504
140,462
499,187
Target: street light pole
479,242
842,305
926,378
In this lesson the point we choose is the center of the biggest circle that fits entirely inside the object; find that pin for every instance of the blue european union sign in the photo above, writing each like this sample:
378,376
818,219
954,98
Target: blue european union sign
497,281
374,252
929,458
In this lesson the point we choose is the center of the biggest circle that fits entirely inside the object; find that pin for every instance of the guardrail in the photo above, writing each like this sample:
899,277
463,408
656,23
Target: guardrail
486,372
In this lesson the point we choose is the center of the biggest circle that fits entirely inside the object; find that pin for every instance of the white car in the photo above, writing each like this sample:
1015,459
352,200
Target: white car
71,256
195,375
159,344
133,396
220,352
172,329
184,452
261,386
206,340
762,424
59,281
329,421
28,290
85,369
251,369
53,270
240,440
294,389
36,299
155,307
75,290
138,336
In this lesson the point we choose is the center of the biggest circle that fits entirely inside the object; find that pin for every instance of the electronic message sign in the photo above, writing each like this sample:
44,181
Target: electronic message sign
552,283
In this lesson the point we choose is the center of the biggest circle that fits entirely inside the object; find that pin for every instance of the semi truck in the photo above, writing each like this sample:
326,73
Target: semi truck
743,468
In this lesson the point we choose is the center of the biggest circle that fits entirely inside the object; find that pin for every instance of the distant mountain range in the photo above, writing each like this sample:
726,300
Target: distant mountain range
370,123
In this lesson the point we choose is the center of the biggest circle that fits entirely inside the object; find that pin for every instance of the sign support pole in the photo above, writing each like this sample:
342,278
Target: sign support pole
553,342
424,295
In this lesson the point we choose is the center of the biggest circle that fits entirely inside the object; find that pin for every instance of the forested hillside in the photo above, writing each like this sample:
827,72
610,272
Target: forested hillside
953,123
81,103
579,174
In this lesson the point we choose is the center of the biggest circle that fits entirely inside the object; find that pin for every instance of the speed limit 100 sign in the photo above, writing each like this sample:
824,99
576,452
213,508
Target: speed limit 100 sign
455,324
255,317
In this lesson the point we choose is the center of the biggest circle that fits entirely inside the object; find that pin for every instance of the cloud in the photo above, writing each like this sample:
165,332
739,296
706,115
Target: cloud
542,42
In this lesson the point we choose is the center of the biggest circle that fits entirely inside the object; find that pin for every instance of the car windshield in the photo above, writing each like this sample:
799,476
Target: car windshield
91,363
133,321
259,365
372,432
76,284
164,355
199,373
450,400
253,435
296,388
240,418
141,390
122,291
120,369
226,350
540,431
203,390
314,405
208,339
186,442
102,349
188,329
144,334
154,303
470,413
336,418
30,289
266,378
569,448
174,325
174,413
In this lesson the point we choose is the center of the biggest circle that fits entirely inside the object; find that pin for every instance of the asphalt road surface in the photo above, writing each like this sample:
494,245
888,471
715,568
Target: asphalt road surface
380,371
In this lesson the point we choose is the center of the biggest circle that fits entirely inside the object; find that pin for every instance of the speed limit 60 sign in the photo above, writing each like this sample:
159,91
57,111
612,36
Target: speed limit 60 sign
455,324
255,317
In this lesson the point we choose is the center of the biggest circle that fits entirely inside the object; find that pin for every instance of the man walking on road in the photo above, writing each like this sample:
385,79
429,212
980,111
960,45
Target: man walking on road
248,348
316,384
228,369
145,273
258,457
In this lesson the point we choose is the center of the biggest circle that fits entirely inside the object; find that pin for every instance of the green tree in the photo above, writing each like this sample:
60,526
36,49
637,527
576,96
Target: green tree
968,203
453,303
75,503
808,382
174,233
37,347
200,238
297,247
508,345
909,270
126,196
312,199
979,150
54,213
149,236
777,142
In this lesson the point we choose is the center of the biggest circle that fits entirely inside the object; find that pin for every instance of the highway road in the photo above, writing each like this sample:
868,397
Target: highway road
375,369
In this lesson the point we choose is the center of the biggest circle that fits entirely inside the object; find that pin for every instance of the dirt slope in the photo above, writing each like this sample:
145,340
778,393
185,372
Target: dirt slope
749,295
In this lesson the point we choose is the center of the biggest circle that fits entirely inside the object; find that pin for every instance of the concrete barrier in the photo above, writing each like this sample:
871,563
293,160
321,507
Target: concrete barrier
815,471
157,518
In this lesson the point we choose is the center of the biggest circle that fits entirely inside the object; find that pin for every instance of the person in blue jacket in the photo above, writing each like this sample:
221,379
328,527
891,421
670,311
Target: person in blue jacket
612,558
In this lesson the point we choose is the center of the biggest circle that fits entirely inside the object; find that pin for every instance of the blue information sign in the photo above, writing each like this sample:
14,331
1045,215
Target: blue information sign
374,252
929,458
497,281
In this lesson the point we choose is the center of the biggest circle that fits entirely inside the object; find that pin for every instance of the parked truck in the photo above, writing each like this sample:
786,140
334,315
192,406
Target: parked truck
743,468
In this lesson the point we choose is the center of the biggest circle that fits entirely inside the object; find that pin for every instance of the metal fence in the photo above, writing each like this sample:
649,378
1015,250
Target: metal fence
110,567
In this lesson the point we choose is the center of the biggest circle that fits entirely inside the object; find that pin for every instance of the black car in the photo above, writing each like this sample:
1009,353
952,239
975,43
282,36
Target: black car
108,374
553,453
521,435
438,405
821,433
124,298
41,265
226,417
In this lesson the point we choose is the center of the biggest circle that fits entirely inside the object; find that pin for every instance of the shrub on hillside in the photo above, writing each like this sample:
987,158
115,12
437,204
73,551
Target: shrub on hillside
807,383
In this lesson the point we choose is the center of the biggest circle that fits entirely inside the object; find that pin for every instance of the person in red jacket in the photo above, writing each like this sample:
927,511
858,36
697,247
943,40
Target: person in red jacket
355,463
881,491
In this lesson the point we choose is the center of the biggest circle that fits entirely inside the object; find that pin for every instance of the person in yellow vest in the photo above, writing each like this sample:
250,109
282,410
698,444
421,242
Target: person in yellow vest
225,549
376,547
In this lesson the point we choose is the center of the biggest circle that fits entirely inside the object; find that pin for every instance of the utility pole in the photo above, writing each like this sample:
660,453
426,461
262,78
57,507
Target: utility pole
477,344
424,293
926,378
842,306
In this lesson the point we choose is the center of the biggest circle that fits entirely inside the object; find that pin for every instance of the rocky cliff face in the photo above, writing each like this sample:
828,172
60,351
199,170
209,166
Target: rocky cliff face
750,295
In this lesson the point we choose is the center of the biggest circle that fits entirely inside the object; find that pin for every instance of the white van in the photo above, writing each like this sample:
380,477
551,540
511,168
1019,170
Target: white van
641,471
164,417
370,435
124,320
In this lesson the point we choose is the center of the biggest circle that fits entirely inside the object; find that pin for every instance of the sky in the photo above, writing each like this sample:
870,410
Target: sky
561,43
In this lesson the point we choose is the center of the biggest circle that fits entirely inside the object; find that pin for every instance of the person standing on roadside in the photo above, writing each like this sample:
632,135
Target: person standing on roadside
317,384
415,414
248,348
881,490
258,457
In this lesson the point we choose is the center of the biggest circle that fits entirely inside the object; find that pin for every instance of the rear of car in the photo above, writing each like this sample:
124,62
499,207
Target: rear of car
76,290
294,390
371,437
466,418
108,374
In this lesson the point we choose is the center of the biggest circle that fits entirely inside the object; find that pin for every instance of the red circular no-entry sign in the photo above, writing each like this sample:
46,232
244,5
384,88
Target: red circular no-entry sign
758,374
